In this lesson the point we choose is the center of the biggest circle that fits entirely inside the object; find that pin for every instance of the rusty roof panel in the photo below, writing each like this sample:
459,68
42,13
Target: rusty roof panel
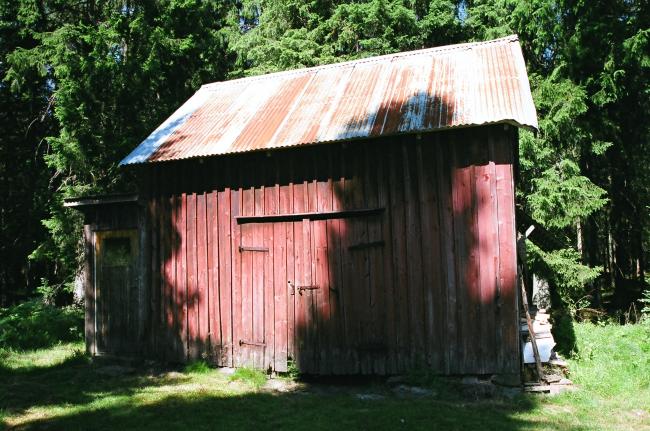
454,86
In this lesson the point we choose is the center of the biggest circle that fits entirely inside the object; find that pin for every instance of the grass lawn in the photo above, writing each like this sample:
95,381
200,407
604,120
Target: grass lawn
59,389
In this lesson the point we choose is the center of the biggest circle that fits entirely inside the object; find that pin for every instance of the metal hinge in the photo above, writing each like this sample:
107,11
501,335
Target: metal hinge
251,343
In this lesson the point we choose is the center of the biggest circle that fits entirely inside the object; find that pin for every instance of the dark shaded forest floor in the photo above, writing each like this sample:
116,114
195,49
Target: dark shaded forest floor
60,389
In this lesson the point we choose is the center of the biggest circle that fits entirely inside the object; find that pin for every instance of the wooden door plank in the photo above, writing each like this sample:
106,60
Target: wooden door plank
306,299
466,254
322,262
414,256
181,275
237,286
260,260
349,354
203,285
154,271
275,312
376,299
472,320
427,244
226,284
269,200
286,204
398,229
299,190
310,297
280,297
192,288
389,293
507,271
432,263
448,251
488,258
247,272
335,190
171,237
359,315
214,296
462,219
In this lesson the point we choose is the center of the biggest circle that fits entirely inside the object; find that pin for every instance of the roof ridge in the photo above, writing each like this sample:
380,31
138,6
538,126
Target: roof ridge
454,47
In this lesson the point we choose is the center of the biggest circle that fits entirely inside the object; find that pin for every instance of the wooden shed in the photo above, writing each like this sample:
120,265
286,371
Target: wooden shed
353,218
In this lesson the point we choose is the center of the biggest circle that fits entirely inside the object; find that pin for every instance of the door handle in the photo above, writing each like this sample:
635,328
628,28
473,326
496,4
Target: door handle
300,289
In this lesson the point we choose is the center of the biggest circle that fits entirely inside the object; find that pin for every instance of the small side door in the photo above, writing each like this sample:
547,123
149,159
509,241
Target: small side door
116,292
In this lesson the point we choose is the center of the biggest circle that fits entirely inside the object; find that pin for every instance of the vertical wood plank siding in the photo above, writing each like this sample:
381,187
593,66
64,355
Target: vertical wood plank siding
427,282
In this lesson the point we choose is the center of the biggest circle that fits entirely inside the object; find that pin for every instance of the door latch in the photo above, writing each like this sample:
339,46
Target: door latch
300,289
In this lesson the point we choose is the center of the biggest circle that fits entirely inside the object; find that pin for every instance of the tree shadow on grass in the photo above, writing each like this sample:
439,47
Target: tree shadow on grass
82,398
73,382
293,411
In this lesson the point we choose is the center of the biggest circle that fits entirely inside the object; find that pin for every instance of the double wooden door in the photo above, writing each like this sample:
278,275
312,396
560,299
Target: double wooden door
311,293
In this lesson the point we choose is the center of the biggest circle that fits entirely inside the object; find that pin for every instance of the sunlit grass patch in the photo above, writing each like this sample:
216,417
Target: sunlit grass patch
254,378
197,367
16,360
59,388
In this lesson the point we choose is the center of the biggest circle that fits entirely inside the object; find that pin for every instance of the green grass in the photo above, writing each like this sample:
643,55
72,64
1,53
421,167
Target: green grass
57,388
253,377
197,367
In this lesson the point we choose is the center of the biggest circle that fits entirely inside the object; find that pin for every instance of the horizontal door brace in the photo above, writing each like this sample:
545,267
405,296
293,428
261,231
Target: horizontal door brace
366,245
263,249
321,215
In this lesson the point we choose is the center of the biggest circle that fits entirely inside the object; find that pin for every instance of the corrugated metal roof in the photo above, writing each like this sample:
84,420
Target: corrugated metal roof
409,92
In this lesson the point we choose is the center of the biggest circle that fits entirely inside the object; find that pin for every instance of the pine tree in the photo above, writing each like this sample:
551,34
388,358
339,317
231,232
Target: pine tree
113,71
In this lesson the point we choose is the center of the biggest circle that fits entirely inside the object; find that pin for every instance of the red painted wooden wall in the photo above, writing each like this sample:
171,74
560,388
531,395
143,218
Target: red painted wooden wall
426,278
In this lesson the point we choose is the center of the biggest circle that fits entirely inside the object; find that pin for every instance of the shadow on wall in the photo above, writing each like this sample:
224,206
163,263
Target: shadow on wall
424,279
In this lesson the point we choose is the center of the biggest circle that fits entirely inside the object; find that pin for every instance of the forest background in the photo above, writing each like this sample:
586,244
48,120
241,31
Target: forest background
83,82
